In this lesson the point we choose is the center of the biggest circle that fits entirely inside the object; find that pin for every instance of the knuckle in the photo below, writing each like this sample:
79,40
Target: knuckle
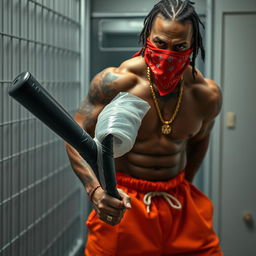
104,199
104,196
100,206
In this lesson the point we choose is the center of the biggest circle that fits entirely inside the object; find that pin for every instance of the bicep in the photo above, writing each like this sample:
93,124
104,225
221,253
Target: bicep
101,92
215,98
211,106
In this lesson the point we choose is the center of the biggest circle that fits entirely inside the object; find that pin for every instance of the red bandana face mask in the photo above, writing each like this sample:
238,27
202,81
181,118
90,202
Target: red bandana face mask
166,66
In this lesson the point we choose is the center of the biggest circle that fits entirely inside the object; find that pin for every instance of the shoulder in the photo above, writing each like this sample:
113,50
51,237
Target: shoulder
110,81
213,96
208,98
206,93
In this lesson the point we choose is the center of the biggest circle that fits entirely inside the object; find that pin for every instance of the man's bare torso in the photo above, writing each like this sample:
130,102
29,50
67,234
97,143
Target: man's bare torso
156,156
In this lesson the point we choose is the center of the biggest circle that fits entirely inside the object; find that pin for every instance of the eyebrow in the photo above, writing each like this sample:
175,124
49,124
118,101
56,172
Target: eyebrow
158,38
179,43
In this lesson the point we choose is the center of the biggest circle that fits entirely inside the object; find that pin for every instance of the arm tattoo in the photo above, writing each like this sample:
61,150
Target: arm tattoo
102,90
109,78
85,108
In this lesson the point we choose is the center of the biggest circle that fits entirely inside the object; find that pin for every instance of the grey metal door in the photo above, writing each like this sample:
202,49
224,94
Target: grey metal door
235,68
238,178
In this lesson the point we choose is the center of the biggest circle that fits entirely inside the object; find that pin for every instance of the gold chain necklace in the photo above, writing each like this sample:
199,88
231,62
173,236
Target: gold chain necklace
166,127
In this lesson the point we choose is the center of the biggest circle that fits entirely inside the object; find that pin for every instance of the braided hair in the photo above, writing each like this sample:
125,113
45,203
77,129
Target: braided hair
180,11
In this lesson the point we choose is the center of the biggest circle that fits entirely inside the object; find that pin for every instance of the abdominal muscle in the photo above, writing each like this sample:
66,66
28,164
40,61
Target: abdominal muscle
153,161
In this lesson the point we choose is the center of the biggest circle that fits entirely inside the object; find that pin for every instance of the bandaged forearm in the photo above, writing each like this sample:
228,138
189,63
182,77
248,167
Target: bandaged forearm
122,118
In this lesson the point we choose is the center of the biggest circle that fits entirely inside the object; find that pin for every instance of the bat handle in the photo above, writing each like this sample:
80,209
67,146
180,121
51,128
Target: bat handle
109,167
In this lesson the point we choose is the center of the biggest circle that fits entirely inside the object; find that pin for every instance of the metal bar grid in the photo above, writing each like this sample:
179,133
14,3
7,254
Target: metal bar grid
36,183
39,194
45,215
52,83
40,43
56,13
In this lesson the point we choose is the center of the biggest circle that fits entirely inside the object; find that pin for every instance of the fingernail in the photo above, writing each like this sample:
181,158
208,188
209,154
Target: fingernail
128,205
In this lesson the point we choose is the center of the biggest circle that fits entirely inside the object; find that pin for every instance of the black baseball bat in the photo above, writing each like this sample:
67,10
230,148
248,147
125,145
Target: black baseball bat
29,93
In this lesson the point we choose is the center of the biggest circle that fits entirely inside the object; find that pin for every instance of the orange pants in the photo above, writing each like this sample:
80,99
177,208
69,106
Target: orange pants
161,227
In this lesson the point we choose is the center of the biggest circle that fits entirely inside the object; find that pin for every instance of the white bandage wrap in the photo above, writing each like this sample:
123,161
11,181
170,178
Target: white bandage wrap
122,118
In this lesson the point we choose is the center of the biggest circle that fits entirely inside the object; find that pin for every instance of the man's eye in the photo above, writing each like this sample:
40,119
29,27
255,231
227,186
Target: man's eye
179,47
160,43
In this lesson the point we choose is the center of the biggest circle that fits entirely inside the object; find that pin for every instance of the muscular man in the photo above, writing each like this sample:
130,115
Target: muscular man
161,212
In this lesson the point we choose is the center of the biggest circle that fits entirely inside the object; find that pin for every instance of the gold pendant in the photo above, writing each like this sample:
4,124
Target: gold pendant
166,129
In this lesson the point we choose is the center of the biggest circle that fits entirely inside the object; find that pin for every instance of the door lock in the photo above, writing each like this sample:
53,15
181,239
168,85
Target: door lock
248,219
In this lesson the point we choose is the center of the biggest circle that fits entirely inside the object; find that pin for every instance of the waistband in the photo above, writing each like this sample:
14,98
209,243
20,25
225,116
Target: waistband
147,186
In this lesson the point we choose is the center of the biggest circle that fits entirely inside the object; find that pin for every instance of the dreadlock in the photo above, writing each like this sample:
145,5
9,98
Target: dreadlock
180,11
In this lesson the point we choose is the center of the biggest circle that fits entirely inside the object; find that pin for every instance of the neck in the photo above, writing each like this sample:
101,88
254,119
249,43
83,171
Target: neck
173,94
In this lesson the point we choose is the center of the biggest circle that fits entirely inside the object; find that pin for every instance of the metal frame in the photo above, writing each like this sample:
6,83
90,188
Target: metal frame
112,49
